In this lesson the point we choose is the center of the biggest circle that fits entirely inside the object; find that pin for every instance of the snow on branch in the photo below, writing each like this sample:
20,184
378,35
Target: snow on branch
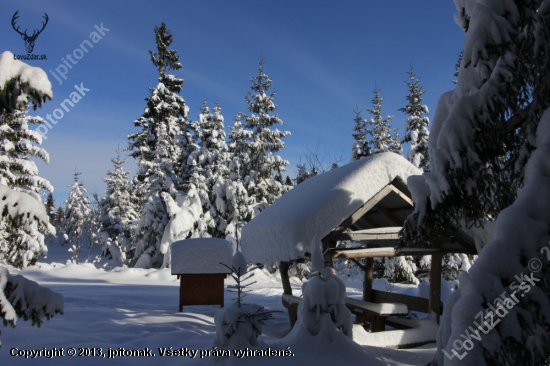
24,206
23,298
19,81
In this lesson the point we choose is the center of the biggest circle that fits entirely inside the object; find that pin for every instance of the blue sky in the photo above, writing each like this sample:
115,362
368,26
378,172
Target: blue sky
324,57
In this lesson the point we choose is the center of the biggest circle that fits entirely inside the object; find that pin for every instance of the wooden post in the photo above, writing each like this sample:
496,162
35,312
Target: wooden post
287,289
283,268
327,243
367,280
435,282
367,294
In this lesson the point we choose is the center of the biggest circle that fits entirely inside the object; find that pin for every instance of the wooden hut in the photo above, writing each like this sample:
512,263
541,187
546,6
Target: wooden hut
366,201
196,262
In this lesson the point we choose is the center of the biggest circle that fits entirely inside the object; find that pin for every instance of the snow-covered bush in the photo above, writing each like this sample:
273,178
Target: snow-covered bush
400,270
239,325
322,307
23,298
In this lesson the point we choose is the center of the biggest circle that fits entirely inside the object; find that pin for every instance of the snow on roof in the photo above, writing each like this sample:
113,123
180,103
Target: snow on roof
284,230
200,256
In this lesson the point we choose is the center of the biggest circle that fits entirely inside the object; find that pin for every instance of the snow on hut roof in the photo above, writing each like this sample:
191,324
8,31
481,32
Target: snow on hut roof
284,230
200,256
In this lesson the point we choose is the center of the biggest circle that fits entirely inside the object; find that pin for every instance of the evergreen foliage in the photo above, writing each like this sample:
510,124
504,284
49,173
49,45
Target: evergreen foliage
416,126
304,173
22,238
262,143
118,213
77,214
50,207
241,324
161,148
59,217
381,139
457,66
240,207
489,154
210,173
360,148
17,145
288,181
23,298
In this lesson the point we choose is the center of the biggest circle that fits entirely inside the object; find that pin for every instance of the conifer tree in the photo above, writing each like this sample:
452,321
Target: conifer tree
304,173
239,149
395,145
161,149
288,181
381,139
77,213
263,142
360,148
118,212
416,126
22,238
240,207
59,217
210,173
50,208
489,144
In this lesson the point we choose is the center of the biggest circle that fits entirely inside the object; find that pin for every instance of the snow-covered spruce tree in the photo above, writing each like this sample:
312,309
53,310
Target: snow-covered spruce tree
210,173
395,145
22,86
288,181
50,207
77,213
489,137
381,139
23,298
416,126
360,147
93,225
322,312
239,325
304,173
118,213
52,215
240,207
262,143
161,149
58,224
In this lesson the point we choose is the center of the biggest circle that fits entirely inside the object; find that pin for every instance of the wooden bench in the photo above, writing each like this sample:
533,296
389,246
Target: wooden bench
373,313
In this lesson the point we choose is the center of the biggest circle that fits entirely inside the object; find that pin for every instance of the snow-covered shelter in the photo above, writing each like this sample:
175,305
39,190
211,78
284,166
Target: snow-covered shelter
366,201
197,263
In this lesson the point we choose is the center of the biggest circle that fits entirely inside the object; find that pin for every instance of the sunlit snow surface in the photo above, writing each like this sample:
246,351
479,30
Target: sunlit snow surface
137,308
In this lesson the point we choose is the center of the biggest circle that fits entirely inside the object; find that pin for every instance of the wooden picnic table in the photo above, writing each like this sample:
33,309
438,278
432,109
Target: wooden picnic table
373,313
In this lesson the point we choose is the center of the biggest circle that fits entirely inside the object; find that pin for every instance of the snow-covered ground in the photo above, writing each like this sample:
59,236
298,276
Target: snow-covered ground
136,309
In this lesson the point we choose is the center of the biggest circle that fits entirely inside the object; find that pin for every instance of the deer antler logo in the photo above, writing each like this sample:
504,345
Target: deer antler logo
29,40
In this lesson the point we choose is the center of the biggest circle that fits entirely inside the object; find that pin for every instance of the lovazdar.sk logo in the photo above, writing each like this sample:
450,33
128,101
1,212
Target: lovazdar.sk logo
29,39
